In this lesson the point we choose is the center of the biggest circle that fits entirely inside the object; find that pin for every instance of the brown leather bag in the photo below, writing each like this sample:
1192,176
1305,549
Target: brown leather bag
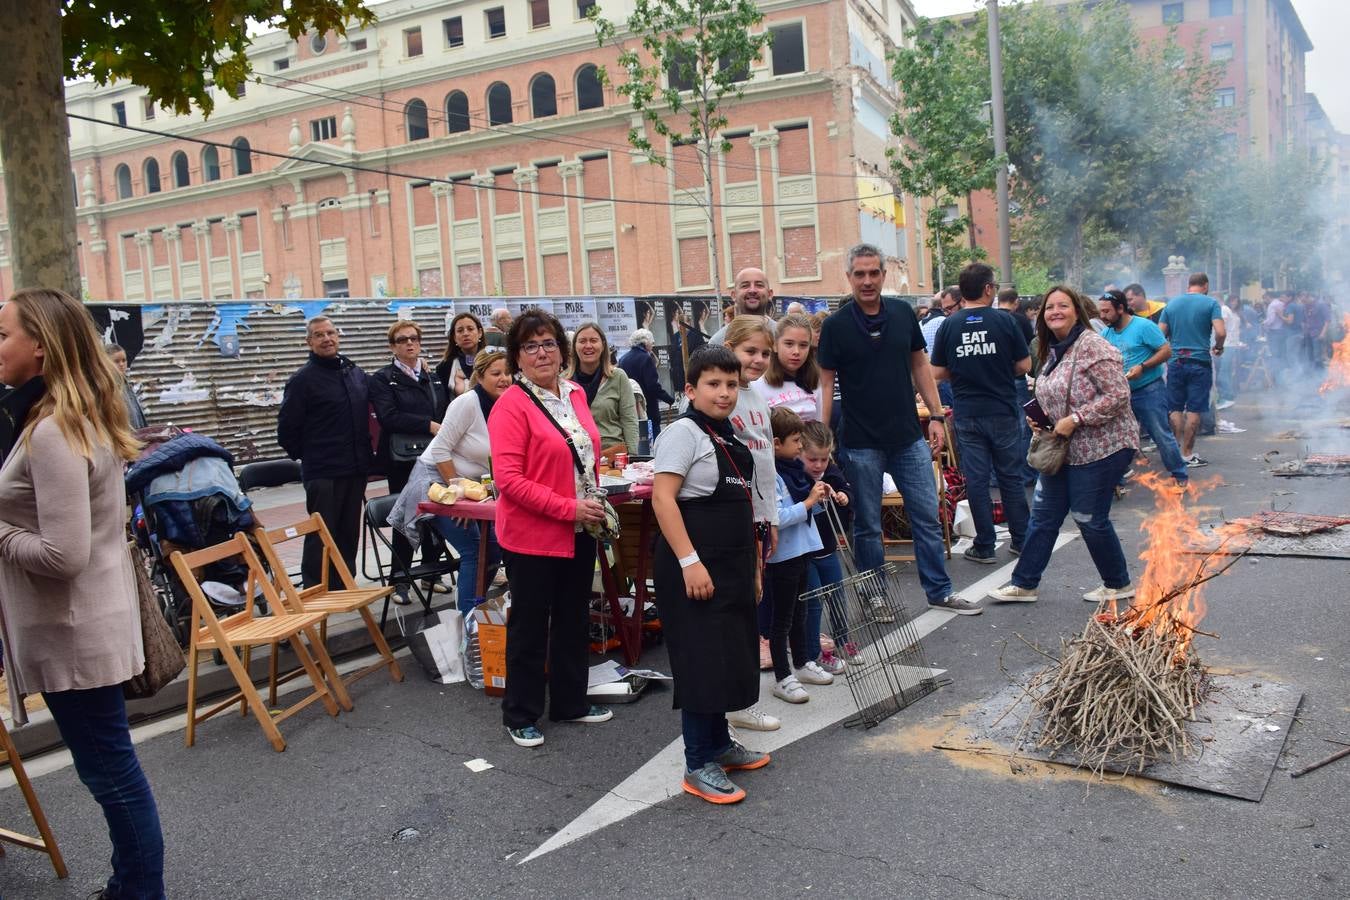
164,659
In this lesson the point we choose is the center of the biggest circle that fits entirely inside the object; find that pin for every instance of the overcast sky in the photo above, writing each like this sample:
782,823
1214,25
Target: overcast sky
1326,21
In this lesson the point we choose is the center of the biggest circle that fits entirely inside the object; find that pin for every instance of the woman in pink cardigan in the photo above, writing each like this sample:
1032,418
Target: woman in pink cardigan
545,449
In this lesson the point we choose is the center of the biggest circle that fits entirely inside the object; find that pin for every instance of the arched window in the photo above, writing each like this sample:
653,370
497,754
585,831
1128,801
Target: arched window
415,120
456,112
543,96
210,164
499,104
123,176
179,161
151,173
243,156
590,93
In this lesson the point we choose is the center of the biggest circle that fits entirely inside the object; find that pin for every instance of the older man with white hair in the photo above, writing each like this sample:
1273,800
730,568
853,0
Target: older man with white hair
639,363
499,323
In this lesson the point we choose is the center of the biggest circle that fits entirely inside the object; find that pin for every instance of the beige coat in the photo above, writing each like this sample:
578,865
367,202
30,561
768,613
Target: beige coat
68,611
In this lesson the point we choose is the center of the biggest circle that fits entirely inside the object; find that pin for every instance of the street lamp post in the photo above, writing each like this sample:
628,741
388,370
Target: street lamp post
1000,141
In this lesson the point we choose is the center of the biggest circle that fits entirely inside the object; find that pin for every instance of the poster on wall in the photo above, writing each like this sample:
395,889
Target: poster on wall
574,312
616,317
517,306
480,308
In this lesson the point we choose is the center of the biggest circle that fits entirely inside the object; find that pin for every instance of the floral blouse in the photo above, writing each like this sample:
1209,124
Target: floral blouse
1100,396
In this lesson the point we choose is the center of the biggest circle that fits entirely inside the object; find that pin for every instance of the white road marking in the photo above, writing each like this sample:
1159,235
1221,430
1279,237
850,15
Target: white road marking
659,778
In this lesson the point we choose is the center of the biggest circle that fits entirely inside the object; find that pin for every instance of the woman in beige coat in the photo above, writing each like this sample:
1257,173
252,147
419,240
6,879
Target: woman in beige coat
68,609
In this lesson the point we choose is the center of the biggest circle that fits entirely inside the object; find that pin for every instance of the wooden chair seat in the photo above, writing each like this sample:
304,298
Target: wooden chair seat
247,629
242,630
322,599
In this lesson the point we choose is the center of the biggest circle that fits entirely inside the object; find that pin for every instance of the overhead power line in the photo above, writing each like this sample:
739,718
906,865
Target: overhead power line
435,179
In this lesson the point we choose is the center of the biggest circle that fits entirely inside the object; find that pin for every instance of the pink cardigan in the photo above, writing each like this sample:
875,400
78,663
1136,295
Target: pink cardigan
535,476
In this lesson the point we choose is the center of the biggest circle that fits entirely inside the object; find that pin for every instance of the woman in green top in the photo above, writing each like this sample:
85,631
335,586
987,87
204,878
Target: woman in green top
608,390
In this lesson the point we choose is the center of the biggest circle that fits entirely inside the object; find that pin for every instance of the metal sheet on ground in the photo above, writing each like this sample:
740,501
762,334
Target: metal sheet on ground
1328,545
1233,728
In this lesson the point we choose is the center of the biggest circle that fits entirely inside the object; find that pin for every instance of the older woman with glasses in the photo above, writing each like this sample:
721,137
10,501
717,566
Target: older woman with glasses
409,403
545,449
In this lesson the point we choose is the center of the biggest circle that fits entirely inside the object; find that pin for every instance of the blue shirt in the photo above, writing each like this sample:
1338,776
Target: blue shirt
1190,324
797,534
1136,342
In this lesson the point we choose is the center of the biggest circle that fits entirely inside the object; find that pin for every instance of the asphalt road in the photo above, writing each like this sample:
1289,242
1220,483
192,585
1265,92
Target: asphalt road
840,812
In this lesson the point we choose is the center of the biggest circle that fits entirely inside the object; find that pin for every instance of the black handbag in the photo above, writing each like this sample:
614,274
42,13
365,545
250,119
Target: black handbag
408,447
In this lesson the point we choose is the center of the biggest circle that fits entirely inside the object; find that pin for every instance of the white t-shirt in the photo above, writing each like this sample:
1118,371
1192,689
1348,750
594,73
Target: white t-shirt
750,423
796,398
463,438
682,448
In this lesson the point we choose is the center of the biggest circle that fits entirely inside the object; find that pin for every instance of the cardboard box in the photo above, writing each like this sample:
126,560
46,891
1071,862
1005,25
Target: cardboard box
492,649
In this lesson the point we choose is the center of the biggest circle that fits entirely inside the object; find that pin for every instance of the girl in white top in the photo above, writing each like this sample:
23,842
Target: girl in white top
459,450
751,340
793,377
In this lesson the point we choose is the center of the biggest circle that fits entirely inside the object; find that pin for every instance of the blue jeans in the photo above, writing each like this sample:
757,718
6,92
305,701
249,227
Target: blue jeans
1029,473
1085,491
1149,404
465,539
93,724
822,571
1188,384
912,469
705,738
991,448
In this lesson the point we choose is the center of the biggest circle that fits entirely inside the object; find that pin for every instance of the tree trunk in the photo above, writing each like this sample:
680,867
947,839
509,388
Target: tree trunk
35,145
712,220
1074,274
970,225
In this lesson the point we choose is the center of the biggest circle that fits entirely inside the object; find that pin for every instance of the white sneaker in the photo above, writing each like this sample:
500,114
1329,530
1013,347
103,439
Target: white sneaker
1225,404
1103,593
812,673
880,611
753,719
1011,593
791,690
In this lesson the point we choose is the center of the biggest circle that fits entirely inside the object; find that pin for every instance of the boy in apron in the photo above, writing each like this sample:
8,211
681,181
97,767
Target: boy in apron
706,571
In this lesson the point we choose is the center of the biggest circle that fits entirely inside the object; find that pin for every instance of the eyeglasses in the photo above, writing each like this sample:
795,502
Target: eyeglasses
534,348
408,339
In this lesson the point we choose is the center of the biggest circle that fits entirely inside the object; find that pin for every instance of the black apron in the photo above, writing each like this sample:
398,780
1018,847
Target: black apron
714,643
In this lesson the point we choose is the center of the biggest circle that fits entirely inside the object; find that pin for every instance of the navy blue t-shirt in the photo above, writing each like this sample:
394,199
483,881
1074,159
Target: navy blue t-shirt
873,374
978,347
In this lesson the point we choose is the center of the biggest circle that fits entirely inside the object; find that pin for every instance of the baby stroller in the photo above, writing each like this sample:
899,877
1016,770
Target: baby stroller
185,497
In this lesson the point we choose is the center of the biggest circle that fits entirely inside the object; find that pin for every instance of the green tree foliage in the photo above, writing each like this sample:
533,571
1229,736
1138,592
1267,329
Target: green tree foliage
946,152
692,59
1110,140
175,49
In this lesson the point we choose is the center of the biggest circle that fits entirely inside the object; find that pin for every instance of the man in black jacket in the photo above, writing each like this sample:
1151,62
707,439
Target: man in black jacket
324,423
639,363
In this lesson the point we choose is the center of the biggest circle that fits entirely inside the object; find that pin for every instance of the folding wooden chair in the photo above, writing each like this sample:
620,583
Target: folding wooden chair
246,630
321,598
46,843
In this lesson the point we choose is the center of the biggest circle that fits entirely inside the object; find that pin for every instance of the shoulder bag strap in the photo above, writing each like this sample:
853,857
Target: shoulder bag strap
1068,390
571,444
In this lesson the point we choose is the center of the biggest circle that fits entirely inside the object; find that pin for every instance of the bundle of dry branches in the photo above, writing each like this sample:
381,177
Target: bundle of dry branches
1119,694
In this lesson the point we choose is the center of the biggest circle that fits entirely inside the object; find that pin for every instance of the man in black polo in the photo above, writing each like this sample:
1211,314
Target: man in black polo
324,423
983,352
874,347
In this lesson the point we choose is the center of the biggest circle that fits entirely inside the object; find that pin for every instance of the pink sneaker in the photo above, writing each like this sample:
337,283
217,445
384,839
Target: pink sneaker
852,655
830,663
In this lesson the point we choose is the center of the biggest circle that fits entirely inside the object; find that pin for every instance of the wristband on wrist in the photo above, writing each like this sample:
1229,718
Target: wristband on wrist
937,418
687,561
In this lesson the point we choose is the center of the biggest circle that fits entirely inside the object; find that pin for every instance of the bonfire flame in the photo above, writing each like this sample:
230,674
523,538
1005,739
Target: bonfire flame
1338,372
1170,599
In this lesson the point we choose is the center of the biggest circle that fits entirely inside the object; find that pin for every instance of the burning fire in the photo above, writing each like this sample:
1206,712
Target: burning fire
1169,598
1338,373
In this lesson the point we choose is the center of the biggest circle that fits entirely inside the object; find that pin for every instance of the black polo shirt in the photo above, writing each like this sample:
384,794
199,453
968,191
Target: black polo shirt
872,371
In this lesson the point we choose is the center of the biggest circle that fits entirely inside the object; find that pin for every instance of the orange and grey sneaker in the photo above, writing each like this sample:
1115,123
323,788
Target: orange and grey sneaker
712,784
738,758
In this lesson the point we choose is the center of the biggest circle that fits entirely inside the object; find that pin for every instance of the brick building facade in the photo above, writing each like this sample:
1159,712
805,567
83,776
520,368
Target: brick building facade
467,147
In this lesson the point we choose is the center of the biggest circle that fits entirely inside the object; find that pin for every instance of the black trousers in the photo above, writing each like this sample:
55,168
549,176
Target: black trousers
785,582
339,501
549,623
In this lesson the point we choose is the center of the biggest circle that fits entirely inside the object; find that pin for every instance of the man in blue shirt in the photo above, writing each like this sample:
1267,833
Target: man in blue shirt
982,351
1144,351
1189,322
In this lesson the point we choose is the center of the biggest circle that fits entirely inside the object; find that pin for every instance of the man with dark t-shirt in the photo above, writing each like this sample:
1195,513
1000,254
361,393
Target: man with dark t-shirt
874,347
982,352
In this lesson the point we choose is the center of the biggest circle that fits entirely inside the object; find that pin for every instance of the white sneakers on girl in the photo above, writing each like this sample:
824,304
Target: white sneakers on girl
812,673
791,690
